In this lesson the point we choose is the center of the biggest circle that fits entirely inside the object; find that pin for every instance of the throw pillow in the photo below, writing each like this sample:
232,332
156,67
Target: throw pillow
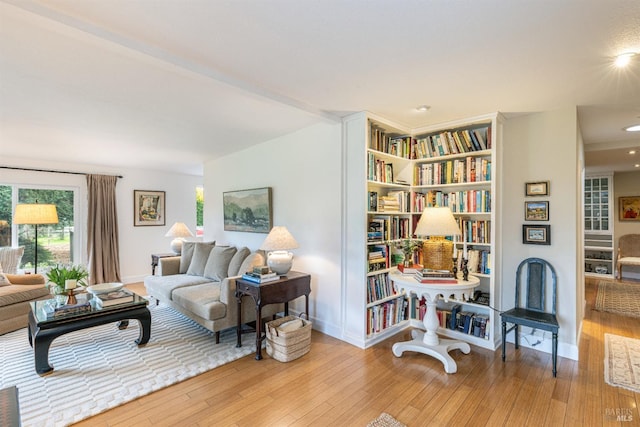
3,278
218,263
10,259
255,259
26,279
199,260
236,261
187,254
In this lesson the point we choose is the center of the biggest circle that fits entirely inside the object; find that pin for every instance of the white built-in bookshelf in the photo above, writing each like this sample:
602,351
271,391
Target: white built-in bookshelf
393,173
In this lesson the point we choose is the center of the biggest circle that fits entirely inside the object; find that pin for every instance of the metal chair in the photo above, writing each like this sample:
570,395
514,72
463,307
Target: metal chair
533,311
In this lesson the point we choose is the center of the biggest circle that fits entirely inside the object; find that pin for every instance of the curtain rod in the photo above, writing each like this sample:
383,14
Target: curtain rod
49,171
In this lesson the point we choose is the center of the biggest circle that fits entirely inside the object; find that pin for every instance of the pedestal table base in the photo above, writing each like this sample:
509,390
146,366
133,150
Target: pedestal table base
440,351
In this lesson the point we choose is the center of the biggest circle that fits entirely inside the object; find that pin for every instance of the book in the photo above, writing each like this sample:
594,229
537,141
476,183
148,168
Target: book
257,275
413,269
113,298
67,309
252,278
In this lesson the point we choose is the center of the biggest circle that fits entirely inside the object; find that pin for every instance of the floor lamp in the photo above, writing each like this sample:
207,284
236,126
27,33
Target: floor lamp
35,214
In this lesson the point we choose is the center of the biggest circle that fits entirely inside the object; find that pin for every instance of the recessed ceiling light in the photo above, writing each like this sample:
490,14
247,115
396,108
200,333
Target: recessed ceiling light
637,165
634,128
632,151
624,59
423,108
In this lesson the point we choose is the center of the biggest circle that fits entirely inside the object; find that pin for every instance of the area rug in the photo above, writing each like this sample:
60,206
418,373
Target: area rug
100,368
619,297
385,420
622,362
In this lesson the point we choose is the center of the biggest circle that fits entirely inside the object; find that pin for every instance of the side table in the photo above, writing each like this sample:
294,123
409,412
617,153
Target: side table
428,342
291,286
155,259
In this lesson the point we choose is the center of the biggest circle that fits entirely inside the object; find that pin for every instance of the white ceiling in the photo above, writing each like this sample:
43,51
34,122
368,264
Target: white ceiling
169,84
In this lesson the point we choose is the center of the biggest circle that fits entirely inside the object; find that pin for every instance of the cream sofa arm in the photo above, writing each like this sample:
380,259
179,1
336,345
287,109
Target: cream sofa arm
169,266
228,291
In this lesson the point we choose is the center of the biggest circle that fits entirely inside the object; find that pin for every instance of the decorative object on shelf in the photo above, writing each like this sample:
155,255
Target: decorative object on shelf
465,269
148,208
536,211
409,248
436,223
248,210
629,208
178,231
35,214
536,234
537,188
277,244
65,278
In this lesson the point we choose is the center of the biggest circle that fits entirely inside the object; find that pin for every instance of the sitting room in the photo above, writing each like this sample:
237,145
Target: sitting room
314,213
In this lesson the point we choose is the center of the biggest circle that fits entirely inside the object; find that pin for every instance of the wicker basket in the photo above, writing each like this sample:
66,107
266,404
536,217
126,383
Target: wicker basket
288,346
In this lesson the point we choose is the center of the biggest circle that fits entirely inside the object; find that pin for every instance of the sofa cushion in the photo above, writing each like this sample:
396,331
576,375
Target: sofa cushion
3,278
202,300
218,263
162,287
15,294
236,261
10,259
26,279
199,260
255,259
187,254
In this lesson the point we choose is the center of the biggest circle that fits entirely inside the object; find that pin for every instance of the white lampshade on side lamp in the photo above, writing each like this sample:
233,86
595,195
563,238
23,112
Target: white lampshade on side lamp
178,231
277,244
35,214
436,223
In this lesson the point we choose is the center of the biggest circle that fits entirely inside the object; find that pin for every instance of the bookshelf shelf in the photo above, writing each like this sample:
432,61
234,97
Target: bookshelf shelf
387,153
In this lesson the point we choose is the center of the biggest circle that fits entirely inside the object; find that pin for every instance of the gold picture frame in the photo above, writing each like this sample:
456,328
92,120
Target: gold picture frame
629,208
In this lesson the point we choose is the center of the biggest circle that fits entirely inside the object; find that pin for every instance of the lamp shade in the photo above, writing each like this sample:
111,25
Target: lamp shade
279,239
179,229
35,213
437,222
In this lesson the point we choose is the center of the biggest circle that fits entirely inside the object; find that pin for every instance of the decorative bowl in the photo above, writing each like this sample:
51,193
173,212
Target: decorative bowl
105,288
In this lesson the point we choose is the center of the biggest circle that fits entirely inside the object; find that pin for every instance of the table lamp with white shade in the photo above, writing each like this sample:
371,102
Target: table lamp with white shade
435,223
35,214
277,244
178,231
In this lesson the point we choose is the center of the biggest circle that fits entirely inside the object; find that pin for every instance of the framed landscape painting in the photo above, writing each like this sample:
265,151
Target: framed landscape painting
536,211
629,208
148,208
536,234
248,210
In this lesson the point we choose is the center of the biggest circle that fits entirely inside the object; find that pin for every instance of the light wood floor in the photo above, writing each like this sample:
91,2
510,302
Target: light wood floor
337,384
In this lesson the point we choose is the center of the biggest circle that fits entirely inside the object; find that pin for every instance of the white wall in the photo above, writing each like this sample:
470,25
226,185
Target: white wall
303,170
625,184
544,147
136,243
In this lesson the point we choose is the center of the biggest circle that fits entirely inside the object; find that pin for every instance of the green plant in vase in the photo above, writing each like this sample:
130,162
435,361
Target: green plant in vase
59,275
409,247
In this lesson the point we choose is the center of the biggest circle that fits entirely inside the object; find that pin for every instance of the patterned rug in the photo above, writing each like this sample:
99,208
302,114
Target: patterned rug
385,420
100,368
619,297
622,362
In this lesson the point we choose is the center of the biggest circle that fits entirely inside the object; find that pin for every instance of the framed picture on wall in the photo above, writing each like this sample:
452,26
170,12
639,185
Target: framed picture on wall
536,234
540,188
629,208
148,208
536,211
248,210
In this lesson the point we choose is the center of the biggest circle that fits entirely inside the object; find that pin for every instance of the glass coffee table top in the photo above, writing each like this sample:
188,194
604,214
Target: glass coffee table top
54,309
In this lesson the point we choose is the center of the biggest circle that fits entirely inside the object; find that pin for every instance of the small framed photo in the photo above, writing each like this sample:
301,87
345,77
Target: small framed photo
536,234
537,188
536,211
629,209
148,208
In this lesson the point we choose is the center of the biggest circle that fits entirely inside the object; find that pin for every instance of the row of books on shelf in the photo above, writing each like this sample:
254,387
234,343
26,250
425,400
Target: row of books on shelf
440,144
471,169
378,287
393,201
474,230
378,257
379,170
478,260
388,228
459,201
387,314
457,319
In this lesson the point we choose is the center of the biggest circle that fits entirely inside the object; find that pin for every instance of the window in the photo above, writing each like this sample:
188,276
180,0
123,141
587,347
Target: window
55,241
199,211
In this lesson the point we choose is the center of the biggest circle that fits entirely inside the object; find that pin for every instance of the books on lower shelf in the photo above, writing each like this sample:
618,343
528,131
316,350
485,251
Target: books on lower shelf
383,316
113,298
458,318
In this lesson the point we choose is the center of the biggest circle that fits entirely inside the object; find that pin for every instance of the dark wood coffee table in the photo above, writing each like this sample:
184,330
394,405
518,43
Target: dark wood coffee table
43,328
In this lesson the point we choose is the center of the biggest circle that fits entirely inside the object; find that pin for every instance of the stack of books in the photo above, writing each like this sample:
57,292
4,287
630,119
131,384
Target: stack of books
69,309
113,298
412,269
260,275
427,275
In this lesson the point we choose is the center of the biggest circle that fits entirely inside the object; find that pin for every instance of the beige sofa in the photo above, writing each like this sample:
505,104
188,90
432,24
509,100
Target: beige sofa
15,298
201,284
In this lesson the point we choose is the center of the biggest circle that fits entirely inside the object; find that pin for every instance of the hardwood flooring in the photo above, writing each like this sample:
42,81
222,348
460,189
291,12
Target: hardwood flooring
337,384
